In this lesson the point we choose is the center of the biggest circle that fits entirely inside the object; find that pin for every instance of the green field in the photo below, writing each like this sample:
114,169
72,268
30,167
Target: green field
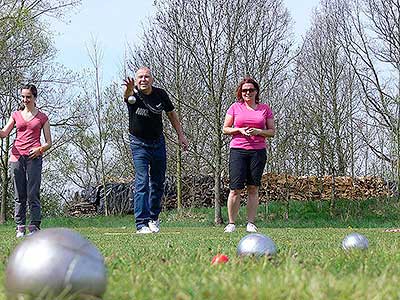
176,263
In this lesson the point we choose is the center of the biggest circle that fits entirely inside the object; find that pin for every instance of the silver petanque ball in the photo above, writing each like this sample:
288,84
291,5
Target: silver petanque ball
256,244
355,241
131,99
55,261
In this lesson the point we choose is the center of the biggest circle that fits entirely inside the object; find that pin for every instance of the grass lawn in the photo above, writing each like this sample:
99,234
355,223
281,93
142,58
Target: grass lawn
176,263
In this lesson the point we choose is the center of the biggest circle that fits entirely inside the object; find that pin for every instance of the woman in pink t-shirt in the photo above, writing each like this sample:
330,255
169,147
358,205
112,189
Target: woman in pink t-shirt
26,158
249,122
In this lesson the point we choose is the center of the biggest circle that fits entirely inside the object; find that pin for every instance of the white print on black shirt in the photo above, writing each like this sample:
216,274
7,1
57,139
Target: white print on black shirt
142,112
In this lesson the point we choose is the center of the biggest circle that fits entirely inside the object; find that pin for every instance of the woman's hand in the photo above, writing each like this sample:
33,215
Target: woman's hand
253,131
35,152
244,131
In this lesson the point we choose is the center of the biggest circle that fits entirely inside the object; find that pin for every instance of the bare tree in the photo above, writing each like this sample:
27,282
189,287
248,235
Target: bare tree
370,35
329,105
95,55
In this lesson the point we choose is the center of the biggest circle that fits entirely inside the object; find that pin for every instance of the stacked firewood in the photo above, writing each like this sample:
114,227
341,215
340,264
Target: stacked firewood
83,203
287,187
198,191
82,209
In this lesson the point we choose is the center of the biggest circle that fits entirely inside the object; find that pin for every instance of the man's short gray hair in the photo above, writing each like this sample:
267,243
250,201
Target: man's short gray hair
143,68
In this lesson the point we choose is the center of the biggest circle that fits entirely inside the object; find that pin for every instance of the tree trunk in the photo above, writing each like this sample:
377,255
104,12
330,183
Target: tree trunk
179,178
178,81
4,196
332,203
217,201
5,182
217,184
398,133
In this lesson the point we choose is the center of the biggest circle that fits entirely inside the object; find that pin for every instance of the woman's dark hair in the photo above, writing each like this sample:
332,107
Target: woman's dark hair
30,87
239,89
33,90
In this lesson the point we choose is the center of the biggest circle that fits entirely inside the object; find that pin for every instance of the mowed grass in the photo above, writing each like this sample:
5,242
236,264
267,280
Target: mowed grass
176,263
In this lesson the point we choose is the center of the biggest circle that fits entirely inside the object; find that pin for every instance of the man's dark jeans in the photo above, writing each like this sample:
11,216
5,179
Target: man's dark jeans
150,162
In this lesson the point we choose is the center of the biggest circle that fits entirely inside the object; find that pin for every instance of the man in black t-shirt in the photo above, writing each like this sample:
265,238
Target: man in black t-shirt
145,106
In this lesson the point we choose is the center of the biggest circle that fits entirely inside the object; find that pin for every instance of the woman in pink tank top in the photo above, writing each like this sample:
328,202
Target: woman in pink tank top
249,122
26,158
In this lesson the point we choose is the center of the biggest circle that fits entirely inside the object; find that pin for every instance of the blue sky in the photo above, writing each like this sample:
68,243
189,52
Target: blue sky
115,23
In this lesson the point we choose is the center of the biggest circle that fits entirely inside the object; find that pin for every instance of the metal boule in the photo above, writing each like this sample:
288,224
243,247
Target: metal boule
55,261
132,99
256,244
355,241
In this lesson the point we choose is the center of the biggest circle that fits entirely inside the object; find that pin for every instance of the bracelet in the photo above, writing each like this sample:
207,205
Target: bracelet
41,150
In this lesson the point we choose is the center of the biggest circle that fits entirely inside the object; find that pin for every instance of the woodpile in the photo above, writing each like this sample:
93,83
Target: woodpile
91,201
198,191
302,188
81,204
82,209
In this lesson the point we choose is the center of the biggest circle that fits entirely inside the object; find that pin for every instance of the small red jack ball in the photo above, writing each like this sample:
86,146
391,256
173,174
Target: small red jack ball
219,259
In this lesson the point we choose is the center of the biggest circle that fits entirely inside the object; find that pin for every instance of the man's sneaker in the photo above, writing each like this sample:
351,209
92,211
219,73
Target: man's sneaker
33,229
20,231
251,227
144,230
154,226
230,228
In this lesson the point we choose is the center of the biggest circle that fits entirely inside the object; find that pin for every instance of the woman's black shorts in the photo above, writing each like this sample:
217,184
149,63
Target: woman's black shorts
246,167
